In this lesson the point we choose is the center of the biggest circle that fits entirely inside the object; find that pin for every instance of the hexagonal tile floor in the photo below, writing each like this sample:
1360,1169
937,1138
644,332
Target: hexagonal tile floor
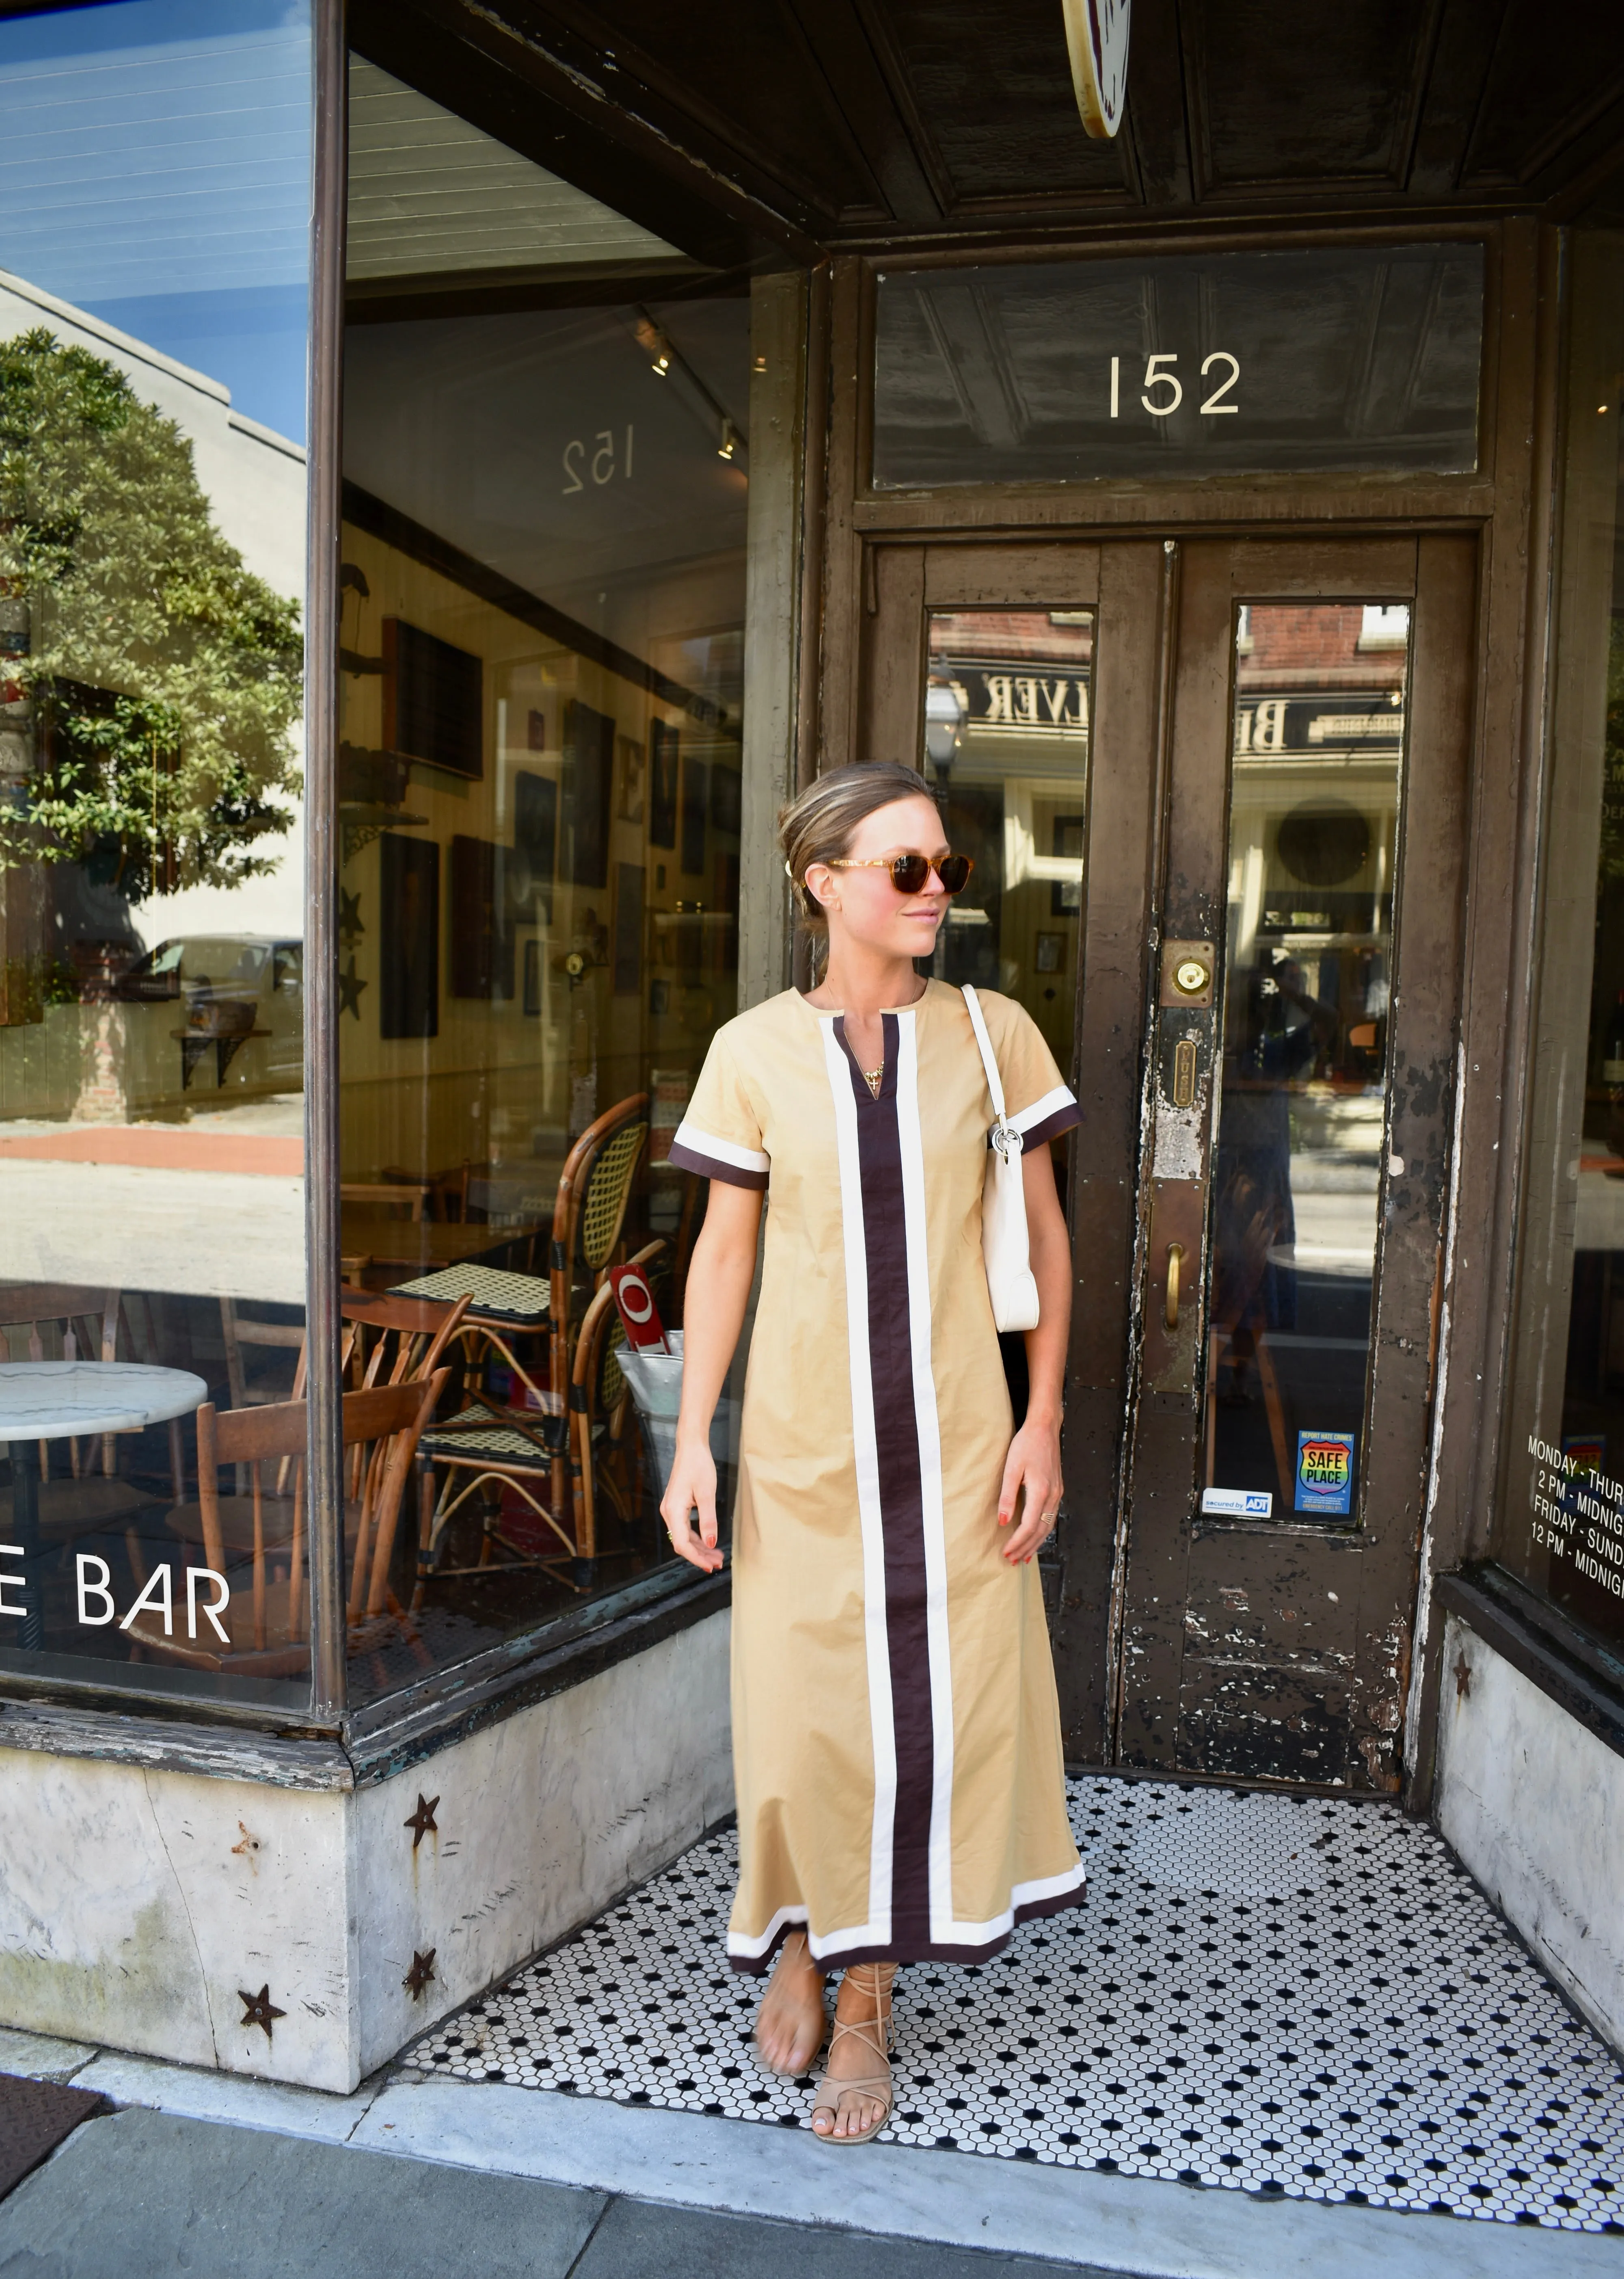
1288,1995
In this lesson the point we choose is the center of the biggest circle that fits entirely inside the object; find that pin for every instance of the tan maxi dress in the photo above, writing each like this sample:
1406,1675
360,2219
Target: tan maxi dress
896,1732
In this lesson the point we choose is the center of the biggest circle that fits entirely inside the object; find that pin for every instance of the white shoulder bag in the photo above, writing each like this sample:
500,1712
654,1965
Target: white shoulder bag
1004,1242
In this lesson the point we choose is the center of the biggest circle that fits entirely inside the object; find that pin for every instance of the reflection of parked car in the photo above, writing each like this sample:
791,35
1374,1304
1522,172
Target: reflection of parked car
231,985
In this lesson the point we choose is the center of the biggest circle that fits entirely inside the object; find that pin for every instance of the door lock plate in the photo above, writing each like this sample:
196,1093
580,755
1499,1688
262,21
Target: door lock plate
1184,1072
1187,968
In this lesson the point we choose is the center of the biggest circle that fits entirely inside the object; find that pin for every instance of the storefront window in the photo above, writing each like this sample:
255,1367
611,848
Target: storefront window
540,791
1561,1517
154,242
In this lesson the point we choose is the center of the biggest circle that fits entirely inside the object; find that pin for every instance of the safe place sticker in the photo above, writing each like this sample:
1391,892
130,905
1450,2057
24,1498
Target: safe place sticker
1325,1473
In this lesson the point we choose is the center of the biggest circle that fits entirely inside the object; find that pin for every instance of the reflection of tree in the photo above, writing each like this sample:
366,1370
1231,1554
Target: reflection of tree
163,678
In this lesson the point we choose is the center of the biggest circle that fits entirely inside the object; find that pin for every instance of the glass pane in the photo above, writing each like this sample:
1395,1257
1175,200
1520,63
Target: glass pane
1007,742
1181,365
542,689
1317,765
1561,1521
155,233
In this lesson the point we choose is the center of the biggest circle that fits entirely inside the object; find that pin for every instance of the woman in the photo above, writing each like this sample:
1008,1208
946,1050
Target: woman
896,1733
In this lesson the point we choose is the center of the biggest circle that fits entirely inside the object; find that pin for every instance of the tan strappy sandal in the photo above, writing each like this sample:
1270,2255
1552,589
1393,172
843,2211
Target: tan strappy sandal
865,1979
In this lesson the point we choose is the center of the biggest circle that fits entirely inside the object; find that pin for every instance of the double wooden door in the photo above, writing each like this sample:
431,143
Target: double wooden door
1217,793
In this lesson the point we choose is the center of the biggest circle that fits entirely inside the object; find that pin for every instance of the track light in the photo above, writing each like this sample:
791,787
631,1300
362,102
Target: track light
730,441
650,337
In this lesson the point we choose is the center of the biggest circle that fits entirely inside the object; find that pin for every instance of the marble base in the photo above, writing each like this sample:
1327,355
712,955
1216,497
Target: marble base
142,1908
1533,1805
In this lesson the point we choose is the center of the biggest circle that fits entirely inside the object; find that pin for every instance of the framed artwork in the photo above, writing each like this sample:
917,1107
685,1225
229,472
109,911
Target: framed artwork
588,783
662,766
628,952
695,774
1050,947
409,936
532,978
724,798
481,924
433,700
629,763
534,852
1066,895
535,733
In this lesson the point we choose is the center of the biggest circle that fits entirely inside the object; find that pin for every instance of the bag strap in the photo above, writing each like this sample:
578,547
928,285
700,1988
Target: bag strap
988,1059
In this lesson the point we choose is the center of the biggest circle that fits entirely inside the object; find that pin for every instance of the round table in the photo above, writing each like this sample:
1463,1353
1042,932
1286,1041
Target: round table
71,1400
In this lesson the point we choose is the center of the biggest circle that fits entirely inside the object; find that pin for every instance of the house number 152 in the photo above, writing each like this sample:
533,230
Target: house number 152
1164,391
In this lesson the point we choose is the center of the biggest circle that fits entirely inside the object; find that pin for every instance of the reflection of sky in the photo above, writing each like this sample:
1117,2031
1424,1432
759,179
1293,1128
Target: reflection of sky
155,169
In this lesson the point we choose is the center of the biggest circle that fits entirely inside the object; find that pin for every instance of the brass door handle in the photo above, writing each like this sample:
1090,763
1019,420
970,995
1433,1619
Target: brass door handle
1176,1256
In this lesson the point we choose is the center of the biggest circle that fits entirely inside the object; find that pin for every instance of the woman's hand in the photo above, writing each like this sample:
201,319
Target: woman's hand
1032,1474
692,1491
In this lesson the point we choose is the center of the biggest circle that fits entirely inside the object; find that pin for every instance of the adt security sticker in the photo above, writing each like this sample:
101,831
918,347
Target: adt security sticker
1237,1503
1325,1473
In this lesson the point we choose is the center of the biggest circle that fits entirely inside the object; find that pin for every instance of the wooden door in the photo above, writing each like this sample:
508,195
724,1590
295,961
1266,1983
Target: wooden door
1300,1072
1215,791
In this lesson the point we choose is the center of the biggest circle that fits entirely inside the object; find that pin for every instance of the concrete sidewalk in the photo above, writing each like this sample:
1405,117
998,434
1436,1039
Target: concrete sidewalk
139,2195
223,2175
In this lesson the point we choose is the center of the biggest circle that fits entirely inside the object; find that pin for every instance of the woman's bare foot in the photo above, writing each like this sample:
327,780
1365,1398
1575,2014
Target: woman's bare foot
790,2024
864,2005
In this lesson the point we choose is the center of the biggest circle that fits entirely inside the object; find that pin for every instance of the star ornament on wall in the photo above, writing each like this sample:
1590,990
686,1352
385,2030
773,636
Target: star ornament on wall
259,2009
422,1822
350,925
350,987
420,1974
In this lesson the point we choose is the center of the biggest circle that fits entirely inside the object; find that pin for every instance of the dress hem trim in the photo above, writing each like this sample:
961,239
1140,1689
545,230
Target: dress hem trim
900,1951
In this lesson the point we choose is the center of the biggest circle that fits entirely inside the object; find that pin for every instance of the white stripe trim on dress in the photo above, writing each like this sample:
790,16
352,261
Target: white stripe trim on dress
701,1142
911,1146
865,1448
1022,1895
1040,1110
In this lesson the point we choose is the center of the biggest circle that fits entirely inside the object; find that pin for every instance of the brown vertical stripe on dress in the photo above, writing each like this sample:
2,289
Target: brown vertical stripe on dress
890,1367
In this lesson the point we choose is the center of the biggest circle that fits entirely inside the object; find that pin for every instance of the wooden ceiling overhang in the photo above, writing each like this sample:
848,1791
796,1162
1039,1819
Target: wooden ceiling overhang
750,133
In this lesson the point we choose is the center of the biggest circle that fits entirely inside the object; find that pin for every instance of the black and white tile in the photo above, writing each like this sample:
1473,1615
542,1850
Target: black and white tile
1304,1995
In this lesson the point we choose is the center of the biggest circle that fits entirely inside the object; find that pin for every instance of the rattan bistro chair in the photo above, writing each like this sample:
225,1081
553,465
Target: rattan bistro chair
589,1214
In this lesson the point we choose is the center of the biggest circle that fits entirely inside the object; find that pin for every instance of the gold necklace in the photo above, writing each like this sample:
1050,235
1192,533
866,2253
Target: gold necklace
874,1079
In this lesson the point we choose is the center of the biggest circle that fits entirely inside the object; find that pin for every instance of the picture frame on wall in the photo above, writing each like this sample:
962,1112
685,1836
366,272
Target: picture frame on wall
664,762
433,700
1049,952
409,936
535,845
726,789
587,784
630,764
482,942
628,939
695,801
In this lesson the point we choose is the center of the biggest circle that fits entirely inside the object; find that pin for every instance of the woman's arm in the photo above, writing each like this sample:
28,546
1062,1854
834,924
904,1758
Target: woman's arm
720,1273
1033,1464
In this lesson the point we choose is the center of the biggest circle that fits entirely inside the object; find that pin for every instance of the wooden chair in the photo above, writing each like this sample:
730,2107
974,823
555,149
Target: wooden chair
445,1192
384,1341
383,1424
